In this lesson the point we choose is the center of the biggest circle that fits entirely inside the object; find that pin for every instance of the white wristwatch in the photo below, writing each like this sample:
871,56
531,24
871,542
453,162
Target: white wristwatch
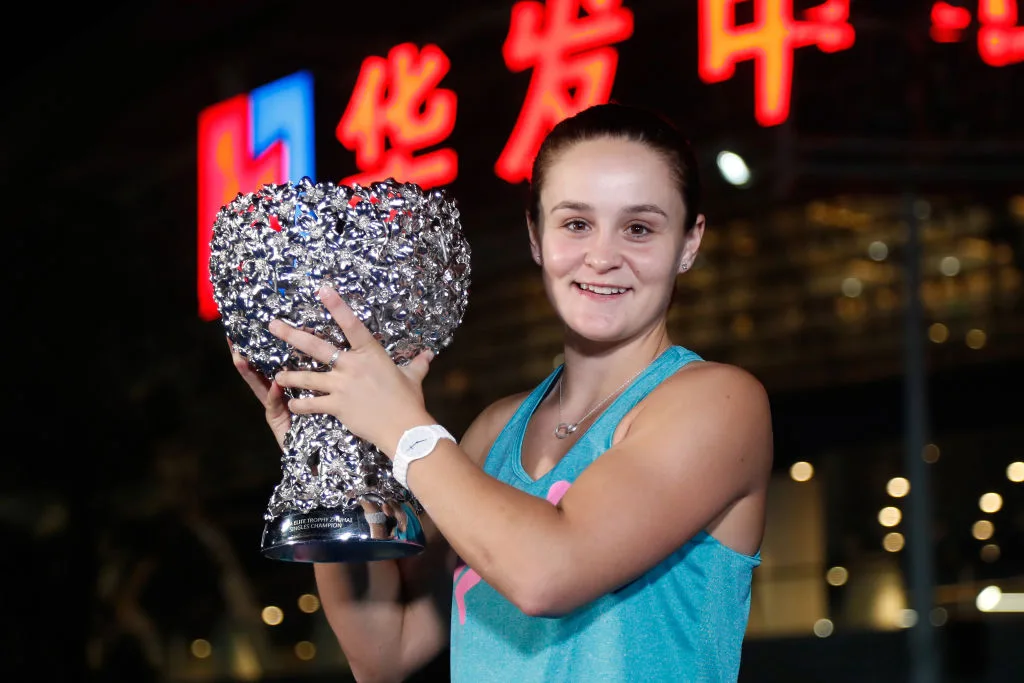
416,443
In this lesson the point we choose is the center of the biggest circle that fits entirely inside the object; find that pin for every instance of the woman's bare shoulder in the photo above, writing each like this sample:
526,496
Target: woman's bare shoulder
706,395
483,431
702,375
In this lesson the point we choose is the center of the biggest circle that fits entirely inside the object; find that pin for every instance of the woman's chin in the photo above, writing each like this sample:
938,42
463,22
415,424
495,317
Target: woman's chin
596,333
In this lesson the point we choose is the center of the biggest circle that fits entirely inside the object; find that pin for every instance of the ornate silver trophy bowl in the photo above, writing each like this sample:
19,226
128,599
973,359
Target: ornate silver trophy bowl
397,256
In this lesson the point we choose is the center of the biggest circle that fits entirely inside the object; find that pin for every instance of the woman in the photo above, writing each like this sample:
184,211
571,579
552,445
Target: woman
606,523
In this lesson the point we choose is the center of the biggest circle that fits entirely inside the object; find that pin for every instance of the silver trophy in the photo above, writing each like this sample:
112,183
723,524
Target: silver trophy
397,256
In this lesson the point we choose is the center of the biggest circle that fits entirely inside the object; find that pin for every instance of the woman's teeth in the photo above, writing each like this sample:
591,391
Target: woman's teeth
597,289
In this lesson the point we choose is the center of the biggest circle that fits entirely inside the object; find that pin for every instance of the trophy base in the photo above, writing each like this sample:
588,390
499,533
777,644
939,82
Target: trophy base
344,535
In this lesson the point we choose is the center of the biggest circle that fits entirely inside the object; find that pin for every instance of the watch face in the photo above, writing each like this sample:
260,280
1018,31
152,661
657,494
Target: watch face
421,442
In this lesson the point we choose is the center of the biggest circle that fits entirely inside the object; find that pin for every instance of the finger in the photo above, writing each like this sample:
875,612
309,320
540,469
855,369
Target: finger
276,403
304,379
307,406
355,332
419,366
310,344
257,382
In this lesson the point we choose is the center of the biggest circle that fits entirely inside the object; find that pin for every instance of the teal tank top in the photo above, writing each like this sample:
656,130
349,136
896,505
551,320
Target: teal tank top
682,621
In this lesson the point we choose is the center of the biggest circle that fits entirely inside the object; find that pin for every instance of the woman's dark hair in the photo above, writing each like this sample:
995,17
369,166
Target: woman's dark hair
622,122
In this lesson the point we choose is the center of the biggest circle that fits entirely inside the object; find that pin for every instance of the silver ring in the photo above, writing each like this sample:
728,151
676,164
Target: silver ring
334,357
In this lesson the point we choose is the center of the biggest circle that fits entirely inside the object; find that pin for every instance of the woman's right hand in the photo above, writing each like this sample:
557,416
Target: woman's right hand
269,393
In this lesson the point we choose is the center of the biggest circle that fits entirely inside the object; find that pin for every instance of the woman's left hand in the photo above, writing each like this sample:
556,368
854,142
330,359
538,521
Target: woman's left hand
372,396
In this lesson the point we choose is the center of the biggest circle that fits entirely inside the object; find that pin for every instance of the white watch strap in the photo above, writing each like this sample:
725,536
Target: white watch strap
400,465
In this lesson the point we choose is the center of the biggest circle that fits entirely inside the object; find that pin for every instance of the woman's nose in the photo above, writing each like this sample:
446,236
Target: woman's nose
602,255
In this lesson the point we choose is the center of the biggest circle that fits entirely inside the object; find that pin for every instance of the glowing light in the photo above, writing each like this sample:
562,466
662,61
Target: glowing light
1015,472
893,542
272,616
990,502
1016,206
1000,40
975,339
201,648
990,552
988,598
983,529
878,251
889,516
309,603
898,487
397,99
801,471
733,168
907,618
938,333
573,68
265,136
930,454
948,22
852,287
837,576
305,650
770,41
949,266
992,599
823,628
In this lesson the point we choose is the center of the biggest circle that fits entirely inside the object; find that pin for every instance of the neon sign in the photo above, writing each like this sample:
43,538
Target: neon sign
948,22
770,41
1000,39
265,136
573,68
398,118
398,99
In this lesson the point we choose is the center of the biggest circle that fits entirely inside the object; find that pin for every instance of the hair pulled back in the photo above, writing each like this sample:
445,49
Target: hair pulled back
621,122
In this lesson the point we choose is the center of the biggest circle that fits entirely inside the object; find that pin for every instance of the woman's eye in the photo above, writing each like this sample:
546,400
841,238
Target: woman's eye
637,230
576,226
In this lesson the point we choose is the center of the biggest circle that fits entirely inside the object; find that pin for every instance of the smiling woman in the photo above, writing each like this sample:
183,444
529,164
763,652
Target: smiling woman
605,525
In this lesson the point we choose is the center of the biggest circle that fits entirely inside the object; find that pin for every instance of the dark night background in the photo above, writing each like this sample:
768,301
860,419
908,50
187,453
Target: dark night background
131,436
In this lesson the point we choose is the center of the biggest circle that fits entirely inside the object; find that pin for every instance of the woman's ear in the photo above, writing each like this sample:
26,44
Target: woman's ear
534,241
691,244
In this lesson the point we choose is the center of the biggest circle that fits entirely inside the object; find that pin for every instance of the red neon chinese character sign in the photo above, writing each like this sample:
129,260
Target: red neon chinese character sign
948,22
770,41
1000,40
573,68
398,99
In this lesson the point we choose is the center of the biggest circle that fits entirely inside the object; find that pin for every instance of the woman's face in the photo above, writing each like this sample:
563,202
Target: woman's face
611,238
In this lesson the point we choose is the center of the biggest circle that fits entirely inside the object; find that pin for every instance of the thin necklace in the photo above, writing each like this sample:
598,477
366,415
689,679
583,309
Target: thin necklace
564,429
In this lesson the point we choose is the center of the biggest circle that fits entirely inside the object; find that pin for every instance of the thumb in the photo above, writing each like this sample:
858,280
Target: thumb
418,368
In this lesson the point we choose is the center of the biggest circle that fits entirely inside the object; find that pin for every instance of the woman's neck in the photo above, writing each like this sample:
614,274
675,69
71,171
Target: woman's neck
593,371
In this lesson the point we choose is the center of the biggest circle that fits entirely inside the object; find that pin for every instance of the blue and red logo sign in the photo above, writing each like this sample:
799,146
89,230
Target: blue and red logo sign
265,136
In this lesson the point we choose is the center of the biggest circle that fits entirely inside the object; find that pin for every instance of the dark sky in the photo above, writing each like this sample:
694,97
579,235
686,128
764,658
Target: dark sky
99,163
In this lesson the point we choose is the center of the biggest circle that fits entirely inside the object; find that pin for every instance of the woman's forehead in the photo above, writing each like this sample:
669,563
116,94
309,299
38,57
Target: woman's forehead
610,172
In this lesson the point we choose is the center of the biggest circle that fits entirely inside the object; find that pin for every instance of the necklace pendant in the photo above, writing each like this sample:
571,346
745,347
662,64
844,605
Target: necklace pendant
563,430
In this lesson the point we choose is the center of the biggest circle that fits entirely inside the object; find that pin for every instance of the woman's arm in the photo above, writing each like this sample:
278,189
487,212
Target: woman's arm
386,624
399,621
697,453
700,445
